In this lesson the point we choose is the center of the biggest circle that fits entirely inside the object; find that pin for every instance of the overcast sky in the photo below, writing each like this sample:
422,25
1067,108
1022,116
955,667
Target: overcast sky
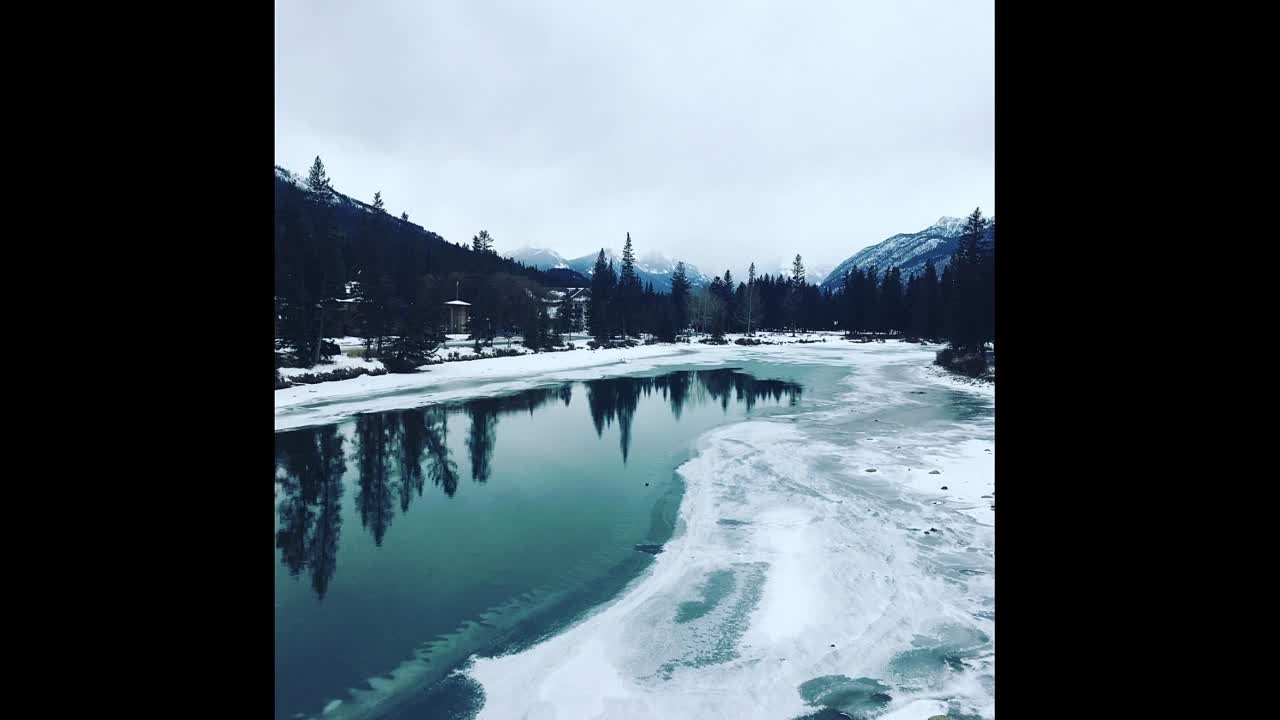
716,132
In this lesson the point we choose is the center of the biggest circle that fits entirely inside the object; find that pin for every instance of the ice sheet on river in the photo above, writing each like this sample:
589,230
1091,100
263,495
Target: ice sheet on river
798,580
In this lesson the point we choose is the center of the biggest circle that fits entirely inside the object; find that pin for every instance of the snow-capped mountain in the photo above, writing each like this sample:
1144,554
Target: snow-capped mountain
652,268
814,273
541,258
909,251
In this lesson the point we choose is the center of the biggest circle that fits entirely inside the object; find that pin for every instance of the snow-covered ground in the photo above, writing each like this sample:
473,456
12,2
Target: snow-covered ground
818,560
338,362
323,403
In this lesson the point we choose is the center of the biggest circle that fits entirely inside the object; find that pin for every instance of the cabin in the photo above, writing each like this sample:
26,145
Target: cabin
459,315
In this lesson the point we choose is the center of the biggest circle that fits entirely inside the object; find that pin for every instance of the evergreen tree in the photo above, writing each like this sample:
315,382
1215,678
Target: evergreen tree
318,183
748,307
629,292
680,297
404,216
564,316
311,255
932,292
795,293
378,205
482,243
797,271
966,301
891,302
665,323
598,321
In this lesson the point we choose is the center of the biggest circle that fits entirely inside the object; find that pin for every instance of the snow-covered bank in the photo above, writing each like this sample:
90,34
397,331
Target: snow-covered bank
328,402
338,362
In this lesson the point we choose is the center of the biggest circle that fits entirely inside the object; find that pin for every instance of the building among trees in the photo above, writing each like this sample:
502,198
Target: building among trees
459,311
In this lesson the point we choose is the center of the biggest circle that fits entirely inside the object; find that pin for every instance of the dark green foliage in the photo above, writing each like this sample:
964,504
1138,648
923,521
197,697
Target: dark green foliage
482,243
680,297
600,320
627,309
324,240
973,364
401,275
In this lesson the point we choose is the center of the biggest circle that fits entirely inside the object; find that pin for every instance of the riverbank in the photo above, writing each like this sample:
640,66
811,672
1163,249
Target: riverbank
322,403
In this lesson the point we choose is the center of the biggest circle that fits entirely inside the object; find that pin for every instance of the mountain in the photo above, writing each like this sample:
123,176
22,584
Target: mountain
439,255
652,267
909,251
814,273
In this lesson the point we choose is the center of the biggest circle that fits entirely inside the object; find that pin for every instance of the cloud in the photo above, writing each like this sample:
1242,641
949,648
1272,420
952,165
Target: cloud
714,132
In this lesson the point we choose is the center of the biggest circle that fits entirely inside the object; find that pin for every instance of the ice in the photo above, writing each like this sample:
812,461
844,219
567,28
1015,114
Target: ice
740,620
795,582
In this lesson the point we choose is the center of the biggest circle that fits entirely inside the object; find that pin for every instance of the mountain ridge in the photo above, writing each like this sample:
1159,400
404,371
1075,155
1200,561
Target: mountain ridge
910,252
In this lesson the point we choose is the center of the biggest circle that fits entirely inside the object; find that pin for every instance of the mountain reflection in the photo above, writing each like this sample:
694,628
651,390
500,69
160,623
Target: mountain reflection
396,452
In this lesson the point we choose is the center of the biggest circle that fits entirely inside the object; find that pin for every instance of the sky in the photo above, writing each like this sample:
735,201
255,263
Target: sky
718,133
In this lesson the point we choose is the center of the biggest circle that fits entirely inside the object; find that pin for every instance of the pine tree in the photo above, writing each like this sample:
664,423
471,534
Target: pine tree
404,216
932,291
629,292
797,271
665,322
749,311
891,301
795,293
318,183
377,203
598,307
965,302
611,282
680,297
482,243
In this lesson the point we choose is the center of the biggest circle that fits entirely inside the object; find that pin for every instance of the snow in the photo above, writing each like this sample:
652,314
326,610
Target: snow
829,574
341,361
328,402
346,341
830,556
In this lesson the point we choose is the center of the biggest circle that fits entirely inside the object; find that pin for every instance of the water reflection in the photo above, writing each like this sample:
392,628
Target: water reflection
310,513
395,453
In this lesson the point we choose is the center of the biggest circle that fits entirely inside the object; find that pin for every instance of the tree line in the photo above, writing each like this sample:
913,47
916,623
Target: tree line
370,274
957,305
349,268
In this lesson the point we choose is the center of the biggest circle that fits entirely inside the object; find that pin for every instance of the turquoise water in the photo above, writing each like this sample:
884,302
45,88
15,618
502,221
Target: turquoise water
407,541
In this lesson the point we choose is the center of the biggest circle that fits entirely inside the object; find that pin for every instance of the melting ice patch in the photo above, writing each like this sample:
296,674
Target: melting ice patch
796,585
826,601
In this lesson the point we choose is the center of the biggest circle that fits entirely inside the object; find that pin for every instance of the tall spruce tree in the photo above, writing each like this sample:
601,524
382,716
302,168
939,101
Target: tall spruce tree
965,302
598,321
891,301
680,297
629,292
318,184
795,293
932,291
748,306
